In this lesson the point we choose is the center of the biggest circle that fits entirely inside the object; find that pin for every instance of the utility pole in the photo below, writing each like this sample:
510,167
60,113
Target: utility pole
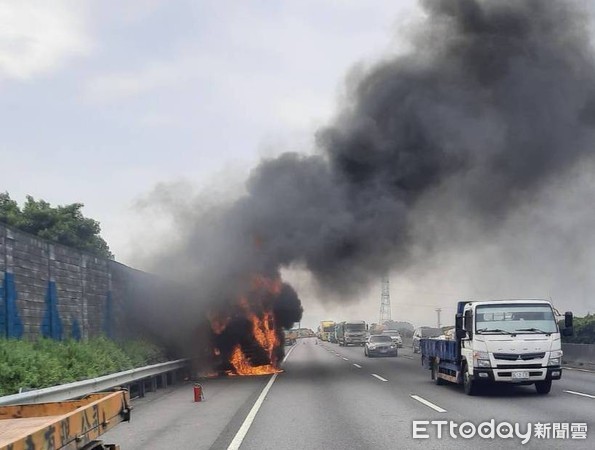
385,312
438,313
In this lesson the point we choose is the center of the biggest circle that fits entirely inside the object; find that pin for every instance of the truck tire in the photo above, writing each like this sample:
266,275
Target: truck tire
439,381
543,387
469,384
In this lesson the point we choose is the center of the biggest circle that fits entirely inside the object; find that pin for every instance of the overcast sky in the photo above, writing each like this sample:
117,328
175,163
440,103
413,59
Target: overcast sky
103,100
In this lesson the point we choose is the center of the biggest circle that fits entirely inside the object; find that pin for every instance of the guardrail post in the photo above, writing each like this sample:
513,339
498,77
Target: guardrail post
141,388
152,384
162,380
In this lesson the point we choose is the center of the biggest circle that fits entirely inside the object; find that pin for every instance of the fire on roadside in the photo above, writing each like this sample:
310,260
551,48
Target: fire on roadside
257,351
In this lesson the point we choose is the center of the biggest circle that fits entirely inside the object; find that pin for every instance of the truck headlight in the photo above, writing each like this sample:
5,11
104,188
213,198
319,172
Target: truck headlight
393,346
555,358
482,359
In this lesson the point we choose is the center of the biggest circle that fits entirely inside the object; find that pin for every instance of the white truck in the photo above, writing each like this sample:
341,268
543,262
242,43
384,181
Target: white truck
351,333
499,341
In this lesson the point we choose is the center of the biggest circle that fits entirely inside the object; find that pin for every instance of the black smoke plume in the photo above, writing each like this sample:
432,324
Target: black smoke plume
495,99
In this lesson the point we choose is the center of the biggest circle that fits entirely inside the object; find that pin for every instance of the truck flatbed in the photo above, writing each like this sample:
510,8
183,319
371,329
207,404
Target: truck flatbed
73,424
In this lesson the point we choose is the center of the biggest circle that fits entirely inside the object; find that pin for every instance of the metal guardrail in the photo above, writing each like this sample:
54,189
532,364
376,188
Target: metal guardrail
78,388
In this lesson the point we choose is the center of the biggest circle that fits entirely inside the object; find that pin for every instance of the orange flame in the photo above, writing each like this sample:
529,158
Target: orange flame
243,367
263,328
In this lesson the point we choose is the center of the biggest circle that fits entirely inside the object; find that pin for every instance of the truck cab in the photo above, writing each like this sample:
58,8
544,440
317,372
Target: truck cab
500,341
516,341
352,333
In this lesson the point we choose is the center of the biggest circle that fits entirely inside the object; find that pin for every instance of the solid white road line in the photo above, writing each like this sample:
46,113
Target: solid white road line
379,377
428,403
580,393
358,366
345,359
241,434
580,370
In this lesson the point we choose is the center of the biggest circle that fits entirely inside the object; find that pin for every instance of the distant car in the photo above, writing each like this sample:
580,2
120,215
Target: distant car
380,345
395,336
290,341
423,332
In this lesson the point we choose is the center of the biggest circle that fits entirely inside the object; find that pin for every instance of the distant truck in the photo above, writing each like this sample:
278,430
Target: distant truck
499,341
351,333
325,329
291,337
332,337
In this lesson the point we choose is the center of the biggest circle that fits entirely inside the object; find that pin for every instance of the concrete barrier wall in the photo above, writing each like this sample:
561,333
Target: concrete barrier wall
579,355
56,291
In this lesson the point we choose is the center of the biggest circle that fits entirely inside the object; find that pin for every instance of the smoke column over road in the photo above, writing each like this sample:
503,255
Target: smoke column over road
496,99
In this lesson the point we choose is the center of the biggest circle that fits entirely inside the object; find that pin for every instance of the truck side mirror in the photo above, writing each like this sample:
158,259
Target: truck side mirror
460,332
468,323
459,322
568,331
568,319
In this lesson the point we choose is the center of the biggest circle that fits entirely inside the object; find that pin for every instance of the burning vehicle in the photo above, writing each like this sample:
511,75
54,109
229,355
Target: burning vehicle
247,337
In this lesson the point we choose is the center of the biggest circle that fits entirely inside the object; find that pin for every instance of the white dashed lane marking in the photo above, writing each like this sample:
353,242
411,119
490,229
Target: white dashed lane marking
580,393
379,377
428,403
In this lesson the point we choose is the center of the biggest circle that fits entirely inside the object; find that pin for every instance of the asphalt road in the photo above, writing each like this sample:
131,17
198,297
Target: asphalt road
332,397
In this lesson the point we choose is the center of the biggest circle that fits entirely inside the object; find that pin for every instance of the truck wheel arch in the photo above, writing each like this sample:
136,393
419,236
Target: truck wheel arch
470,386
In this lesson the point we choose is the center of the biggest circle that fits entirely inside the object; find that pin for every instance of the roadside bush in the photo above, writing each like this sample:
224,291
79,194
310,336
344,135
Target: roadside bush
584,330
43,363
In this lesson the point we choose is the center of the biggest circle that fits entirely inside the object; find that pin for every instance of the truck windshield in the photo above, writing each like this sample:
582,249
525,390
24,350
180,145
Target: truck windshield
515,318
355,327
329,328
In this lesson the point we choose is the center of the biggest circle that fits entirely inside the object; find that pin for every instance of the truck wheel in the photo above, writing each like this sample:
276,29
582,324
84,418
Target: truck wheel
469,384
439,381
543,387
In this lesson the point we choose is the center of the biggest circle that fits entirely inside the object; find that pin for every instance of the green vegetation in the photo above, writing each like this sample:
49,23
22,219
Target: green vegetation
43,363
62,224
584,330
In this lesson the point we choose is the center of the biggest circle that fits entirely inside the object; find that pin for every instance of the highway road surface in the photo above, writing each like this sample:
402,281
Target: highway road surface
332,397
